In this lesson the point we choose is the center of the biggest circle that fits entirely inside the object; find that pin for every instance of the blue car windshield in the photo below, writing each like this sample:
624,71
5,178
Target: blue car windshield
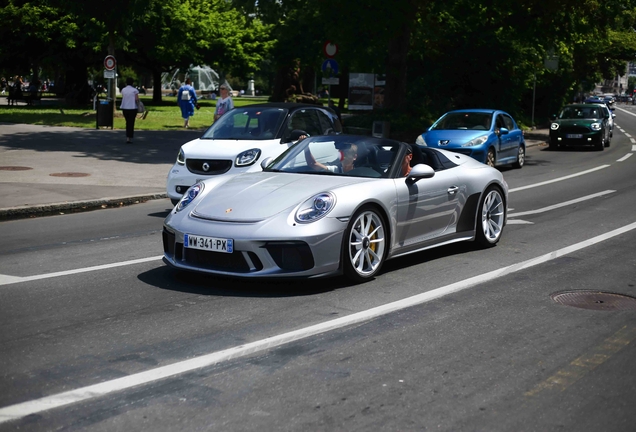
248,123
464,120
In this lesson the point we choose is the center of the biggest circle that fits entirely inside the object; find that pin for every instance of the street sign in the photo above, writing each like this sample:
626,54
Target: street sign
110,63
330,49
330,67
330,81
109,74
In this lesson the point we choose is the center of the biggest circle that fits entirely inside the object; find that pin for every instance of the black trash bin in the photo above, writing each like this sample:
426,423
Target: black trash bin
104,113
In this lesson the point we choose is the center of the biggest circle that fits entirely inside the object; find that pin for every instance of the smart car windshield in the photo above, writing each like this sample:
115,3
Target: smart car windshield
580,112
248,123
464,120
339,155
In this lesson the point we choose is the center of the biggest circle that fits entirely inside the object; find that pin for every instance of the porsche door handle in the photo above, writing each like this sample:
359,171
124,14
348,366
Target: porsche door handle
452,190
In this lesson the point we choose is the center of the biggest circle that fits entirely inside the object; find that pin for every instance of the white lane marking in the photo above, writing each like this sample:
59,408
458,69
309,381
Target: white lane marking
23,409
634,148
625,111
6,279
563,204
633,142
624,158
518,222
558,179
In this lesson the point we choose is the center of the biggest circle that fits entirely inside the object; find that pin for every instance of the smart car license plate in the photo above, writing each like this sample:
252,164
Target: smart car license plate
208,243
574,136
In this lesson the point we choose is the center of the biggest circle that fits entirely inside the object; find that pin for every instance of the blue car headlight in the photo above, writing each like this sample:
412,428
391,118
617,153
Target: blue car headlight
596,126
315,207
554,126
476,141
189,196
248,157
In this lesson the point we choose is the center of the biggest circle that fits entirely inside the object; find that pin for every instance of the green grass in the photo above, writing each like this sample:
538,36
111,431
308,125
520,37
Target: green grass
164,116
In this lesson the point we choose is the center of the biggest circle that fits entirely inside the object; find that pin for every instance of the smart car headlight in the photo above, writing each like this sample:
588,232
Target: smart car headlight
476,141
315,207
248,157
595,126
189,196
181,157
554,126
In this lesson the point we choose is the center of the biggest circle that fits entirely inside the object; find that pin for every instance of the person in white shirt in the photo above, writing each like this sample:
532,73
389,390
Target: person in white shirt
129,100
224,103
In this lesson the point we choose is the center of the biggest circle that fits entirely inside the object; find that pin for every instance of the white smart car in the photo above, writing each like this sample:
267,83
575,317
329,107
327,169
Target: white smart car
243,137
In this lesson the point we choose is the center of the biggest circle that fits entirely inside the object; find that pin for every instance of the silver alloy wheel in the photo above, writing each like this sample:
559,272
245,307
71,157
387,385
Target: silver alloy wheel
366,243
492,216
490,158
521,157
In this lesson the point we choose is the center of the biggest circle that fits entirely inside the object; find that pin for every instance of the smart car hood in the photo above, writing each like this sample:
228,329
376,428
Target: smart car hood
222,149
454,137
253,197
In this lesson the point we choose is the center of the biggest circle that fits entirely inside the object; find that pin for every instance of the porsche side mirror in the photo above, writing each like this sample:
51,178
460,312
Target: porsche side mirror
421,171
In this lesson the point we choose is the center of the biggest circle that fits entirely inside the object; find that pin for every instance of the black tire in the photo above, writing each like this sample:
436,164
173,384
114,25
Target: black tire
491,157
609,140
490,217
364,245
600,145
521,157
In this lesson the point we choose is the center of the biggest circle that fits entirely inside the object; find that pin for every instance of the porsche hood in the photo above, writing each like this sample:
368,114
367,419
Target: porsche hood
253,197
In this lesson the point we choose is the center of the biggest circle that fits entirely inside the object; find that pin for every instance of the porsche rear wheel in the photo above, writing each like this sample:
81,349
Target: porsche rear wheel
492,215
490,157
364,245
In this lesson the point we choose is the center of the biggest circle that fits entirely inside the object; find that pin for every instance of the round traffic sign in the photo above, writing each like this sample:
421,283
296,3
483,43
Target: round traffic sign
330,49
110,62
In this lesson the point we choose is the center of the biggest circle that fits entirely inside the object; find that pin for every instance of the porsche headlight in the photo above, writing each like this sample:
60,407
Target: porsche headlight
315,207
476,141
248,157
189,196
181,157
595,126
420,141
554,126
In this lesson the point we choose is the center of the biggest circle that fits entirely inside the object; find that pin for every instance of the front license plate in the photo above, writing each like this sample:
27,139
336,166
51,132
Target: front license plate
208,243
574,136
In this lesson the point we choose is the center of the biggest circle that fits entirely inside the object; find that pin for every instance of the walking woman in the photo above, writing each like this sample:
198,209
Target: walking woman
187,99
129,100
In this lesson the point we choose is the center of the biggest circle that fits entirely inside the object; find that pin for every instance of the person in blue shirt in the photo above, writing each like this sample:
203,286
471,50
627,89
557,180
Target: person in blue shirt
187,100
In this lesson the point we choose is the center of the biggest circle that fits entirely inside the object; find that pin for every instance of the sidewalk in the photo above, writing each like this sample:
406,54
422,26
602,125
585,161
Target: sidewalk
47,170
51,170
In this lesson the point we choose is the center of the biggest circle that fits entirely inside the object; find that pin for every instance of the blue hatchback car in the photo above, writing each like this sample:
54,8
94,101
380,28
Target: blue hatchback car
490,136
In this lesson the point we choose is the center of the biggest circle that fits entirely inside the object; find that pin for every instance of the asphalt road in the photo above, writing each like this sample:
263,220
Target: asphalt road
455,339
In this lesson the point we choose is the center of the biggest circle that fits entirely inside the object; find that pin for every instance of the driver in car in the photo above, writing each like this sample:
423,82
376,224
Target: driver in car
345,164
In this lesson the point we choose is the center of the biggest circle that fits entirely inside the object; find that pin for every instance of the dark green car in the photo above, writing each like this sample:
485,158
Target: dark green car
581,125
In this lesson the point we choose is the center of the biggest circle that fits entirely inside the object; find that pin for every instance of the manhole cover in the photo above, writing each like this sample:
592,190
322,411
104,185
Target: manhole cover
14,168
595,300
69,174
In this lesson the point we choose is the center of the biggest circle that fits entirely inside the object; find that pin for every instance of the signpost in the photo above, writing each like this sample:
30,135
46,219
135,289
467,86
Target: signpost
330,66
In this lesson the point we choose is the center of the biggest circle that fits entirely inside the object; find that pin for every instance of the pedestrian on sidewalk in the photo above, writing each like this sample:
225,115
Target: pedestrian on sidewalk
224,103
187,99
129,101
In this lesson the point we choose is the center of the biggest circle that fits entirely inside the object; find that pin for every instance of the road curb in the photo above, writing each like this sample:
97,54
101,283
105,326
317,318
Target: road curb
13,213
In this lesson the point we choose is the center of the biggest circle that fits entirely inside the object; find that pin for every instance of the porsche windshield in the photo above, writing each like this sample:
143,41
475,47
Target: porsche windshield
464,120
248,123
339,155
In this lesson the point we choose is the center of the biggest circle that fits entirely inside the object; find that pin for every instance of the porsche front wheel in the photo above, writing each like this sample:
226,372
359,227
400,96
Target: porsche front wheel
364,245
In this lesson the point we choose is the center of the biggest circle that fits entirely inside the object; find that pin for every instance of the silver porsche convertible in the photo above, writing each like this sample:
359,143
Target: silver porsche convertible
333,205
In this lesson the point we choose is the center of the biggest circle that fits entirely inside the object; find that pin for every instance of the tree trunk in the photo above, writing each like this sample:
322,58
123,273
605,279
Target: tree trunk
156,86
395,90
